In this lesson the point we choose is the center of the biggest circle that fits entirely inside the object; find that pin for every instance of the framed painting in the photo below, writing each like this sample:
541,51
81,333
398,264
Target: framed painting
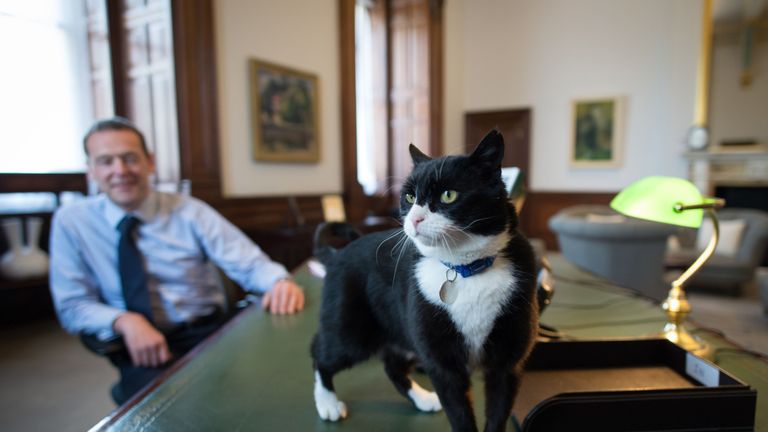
597,129
284,113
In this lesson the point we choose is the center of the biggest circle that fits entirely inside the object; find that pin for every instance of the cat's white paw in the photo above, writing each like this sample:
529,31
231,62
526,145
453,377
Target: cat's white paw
424,400
329,407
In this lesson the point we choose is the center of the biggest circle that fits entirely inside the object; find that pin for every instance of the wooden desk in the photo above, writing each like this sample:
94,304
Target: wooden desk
256,373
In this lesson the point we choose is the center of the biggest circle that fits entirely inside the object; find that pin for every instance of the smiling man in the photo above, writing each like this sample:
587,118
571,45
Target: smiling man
140,265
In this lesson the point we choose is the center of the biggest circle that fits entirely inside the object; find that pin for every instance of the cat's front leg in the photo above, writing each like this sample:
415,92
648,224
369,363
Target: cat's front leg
329,407
501,385
453,389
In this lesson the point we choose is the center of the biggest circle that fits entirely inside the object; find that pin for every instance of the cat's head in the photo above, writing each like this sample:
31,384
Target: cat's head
455,207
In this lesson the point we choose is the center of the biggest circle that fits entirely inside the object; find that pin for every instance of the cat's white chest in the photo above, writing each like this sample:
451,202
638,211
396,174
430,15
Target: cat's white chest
480,297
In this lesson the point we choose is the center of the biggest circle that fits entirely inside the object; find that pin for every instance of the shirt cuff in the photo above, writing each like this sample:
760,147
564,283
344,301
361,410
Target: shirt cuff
106,319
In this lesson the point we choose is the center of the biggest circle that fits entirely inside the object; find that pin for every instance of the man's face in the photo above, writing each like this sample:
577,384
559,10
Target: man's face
117,162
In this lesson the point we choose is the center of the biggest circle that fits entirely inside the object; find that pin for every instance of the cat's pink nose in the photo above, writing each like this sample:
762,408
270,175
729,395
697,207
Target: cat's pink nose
417,221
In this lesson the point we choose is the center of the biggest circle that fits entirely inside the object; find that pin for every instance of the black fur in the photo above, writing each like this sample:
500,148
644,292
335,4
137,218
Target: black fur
372,304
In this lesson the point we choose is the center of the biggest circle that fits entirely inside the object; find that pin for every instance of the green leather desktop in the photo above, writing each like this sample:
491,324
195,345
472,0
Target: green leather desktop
256,373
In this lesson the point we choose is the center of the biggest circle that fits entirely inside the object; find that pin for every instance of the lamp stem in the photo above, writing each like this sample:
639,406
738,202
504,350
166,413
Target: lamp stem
705,255
677,306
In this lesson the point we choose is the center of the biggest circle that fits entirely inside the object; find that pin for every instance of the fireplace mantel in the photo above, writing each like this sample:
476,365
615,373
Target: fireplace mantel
720,167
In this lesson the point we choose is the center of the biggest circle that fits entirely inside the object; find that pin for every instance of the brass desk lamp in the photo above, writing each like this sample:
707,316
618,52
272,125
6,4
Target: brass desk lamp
673,201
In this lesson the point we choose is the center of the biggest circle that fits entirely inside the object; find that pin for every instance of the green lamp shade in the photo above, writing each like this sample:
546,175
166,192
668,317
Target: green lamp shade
654,199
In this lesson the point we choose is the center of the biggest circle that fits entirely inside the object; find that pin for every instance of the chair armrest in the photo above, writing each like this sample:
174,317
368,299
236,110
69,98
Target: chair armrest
101,347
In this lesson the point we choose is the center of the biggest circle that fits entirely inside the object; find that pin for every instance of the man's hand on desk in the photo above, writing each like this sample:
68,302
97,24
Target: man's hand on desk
285,297
146,345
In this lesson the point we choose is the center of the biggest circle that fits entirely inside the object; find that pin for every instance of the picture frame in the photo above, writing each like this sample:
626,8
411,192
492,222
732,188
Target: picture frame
284,113
597,128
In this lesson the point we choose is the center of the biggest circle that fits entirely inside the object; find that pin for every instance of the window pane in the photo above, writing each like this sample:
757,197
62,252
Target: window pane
370,90
45,86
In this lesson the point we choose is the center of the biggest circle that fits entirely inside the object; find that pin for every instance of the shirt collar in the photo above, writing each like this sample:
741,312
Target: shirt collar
146,211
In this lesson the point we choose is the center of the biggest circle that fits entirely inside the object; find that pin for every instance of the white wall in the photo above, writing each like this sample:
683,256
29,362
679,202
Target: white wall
300,34
543,54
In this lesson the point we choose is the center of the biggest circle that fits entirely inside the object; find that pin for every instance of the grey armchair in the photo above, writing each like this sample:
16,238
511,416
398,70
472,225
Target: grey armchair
726,273
627,251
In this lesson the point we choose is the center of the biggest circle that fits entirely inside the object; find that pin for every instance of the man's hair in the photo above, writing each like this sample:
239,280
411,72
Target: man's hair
116,124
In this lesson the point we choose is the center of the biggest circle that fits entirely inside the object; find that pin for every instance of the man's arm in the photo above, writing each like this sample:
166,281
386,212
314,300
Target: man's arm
146,345
244,262
285,297
75,293
80,307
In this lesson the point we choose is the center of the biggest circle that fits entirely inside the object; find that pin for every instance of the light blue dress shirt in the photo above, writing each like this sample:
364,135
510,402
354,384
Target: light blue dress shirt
180,237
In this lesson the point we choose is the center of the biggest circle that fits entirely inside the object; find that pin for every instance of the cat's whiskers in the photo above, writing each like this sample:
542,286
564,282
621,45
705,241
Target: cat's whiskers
400,243
475,221
448,248
387,239
384,241
397,262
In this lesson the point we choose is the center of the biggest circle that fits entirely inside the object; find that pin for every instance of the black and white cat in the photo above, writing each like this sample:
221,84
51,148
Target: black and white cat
454,290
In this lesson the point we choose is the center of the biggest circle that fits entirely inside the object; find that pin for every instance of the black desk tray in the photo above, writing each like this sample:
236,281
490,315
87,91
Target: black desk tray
633,385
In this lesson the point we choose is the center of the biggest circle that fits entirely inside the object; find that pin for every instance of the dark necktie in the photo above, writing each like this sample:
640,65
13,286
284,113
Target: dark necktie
133,276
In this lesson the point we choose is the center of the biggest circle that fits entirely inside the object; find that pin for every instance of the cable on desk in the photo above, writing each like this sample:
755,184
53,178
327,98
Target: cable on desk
749,352
700,329
550,333
588,306
608,287
736,349
614,323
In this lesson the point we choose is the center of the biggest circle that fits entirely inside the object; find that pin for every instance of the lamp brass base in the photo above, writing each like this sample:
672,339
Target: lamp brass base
678,335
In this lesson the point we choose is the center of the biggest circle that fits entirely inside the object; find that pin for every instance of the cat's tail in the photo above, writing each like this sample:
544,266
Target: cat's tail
330,237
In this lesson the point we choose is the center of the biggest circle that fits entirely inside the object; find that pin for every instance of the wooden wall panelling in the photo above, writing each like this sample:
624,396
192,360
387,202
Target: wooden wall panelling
435,65
43,182
515,126
196,96
116,56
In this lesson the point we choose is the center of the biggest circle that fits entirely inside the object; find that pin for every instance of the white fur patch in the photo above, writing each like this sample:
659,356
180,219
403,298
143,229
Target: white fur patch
424,400
329,407
479,301
480,296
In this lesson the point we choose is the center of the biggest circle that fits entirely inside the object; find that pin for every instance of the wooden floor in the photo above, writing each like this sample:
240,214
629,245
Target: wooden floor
49,382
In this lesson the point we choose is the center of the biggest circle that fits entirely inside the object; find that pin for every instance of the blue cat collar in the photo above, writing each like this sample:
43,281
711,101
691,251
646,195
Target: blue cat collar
473,268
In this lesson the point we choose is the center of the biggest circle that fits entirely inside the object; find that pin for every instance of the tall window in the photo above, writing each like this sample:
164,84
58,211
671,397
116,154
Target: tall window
46,101
371,95
57,78
398,79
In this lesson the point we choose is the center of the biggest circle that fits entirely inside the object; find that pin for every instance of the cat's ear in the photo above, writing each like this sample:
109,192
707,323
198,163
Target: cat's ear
491,149
417,156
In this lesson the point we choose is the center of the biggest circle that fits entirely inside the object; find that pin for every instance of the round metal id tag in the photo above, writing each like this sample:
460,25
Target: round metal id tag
448,291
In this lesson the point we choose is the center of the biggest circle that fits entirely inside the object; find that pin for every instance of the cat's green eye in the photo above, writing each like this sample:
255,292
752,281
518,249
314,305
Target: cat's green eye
410,198
449,196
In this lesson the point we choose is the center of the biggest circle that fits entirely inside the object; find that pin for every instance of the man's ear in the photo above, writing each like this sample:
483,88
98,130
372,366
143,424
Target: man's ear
151,162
